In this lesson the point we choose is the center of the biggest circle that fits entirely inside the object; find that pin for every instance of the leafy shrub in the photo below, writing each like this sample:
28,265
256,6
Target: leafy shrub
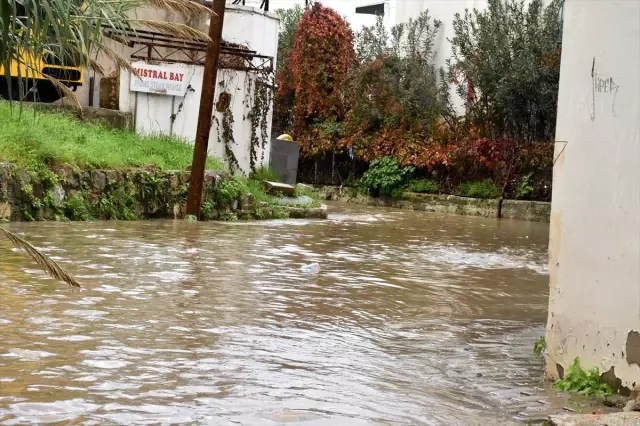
264,173
227,191
385,177
424,186
76,208
483,189
583,382
524,187
206,210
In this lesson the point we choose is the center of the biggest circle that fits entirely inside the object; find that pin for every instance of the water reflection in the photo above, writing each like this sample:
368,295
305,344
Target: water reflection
412,319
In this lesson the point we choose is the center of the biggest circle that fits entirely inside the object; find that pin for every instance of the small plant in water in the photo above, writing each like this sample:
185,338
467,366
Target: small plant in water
539,346
583,382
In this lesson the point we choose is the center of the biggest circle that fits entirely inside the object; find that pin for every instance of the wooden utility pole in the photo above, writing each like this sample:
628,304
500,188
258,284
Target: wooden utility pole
194,198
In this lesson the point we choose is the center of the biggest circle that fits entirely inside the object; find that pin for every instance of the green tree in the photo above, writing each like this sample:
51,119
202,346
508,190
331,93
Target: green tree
506,64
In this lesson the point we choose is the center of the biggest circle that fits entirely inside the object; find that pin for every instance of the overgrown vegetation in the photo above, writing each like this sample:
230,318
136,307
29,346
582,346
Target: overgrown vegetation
285,95
32,139
505,65
583,382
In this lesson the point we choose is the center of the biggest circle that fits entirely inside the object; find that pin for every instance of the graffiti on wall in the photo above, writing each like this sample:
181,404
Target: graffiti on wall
603,89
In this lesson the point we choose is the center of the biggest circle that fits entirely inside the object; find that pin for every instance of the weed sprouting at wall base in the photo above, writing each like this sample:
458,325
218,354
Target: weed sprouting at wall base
588,383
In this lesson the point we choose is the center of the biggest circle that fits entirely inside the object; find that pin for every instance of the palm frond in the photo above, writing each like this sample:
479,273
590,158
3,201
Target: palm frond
45,262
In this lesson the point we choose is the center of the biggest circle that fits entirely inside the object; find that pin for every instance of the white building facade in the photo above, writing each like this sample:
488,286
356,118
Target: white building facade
175,113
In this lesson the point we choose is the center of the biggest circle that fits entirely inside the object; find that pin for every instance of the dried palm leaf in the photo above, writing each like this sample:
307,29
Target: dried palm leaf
114,56
64,90
186,7
174,29
45,262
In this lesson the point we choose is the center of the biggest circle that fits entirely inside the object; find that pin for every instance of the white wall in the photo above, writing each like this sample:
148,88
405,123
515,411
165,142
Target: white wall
153,112
594,304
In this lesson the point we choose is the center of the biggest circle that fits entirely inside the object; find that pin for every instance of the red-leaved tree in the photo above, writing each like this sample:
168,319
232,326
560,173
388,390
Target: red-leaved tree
321,59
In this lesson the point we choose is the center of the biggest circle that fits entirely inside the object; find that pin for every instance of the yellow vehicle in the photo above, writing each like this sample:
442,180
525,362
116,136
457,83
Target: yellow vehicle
32,71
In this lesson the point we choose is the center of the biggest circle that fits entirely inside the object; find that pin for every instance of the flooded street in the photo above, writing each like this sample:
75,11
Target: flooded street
412,318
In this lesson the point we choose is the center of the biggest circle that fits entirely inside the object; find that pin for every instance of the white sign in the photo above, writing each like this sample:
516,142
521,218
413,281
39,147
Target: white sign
165,79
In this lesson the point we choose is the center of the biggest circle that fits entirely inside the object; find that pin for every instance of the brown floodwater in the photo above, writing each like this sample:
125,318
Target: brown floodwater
412,318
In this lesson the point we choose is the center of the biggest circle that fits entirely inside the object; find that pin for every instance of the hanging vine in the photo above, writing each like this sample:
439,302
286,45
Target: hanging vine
225,124
262,100
258,98
225,134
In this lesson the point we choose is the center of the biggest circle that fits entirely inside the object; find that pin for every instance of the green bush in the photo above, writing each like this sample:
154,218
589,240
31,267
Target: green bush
264,173
227,191
583,382
483,189
385,177
424,186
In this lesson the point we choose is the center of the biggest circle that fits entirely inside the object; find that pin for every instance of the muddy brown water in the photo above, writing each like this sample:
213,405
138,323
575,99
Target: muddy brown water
413,318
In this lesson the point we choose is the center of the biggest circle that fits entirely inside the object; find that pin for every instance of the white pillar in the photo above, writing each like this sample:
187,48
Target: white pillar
594,252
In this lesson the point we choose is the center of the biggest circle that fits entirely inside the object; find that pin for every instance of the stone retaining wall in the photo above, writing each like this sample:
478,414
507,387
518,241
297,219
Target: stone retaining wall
68,194
536,211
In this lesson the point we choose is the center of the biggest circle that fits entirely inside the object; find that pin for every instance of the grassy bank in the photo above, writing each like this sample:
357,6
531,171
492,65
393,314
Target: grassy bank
31,139
60,168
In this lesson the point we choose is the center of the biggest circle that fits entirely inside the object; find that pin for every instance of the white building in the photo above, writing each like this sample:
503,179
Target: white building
594,251
171,107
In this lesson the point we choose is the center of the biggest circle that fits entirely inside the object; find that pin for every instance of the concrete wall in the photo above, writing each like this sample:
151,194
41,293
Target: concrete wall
594,253
153,113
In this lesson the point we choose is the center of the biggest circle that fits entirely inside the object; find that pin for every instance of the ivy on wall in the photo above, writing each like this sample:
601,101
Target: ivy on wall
262,100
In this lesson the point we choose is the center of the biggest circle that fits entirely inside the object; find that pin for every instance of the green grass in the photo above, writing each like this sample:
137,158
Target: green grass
483,189
424,186
265,173
31,140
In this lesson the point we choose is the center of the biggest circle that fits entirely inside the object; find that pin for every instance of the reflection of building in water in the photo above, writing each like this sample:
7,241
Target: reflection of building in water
221,273
595,221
